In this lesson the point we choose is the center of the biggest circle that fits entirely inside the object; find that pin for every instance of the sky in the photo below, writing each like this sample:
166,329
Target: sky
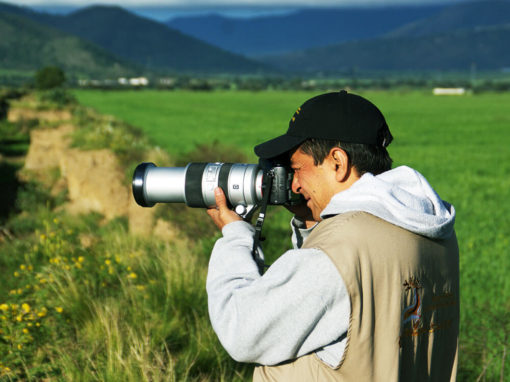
235,3
164,9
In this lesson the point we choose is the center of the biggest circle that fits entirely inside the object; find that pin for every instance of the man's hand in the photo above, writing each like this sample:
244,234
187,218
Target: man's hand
221,214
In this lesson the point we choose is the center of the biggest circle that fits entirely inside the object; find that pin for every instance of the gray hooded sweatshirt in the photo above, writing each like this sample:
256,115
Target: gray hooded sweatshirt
301,305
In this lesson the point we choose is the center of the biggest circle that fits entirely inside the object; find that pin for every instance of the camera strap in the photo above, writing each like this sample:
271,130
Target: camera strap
266,191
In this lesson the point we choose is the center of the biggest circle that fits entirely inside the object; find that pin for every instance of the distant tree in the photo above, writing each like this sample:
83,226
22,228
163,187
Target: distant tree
49,77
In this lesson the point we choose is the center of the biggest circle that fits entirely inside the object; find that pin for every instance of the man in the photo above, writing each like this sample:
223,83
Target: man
370,292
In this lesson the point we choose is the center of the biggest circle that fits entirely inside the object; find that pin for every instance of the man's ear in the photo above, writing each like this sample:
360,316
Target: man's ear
340,159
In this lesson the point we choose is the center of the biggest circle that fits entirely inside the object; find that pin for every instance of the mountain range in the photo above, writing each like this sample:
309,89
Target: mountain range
454,37
116,34
484,48
302,29
109,41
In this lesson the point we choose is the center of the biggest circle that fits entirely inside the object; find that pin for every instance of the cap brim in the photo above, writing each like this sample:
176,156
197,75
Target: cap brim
277,146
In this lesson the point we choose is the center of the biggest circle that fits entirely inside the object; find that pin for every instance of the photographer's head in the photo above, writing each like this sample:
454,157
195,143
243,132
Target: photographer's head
332,140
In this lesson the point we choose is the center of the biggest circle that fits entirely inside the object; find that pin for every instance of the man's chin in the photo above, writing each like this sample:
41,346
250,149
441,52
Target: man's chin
316,216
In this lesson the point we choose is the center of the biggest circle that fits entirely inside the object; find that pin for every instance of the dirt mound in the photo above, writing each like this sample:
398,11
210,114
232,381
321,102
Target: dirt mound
95,182
93,178
47,146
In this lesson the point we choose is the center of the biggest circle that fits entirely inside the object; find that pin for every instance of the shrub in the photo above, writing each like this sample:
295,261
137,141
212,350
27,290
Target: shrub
49,77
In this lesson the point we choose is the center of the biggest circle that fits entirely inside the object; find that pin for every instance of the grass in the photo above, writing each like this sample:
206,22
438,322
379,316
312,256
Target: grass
115,307
122,309
461,144
83,299
179,121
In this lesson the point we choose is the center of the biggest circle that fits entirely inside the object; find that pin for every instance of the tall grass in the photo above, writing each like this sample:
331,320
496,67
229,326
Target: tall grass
117,308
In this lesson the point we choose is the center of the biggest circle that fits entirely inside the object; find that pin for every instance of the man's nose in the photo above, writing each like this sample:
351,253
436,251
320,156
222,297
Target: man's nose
296,187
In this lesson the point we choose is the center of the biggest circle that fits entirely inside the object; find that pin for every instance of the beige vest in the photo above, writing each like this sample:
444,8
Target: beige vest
404,292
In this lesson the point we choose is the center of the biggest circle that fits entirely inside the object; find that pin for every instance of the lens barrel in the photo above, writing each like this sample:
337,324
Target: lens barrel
195,184
152,184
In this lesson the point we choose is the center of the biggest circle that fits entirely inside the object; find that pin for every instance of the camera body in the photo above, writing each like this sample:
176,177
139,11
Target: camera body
244,184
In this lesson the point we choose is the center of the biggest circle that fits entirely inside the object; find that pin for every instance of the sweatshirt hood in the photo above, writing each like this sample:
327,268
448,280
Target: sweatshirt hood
401,196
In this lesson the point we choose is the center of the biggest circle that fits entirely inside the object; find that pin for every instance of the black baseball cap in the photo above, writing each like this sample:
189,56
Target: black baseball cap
340,116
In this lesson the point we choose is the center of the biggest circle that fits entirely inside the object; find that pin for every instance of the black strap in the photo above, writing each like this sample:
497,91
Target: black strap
266,191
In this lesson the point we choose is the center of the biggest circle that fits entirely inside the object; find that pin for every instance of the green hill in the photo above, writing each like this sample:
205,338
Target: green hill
26,45
150,43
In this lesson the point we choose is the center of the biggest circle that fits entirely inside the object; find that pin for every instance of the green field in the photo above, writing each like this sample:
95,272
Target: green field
83,299
461,144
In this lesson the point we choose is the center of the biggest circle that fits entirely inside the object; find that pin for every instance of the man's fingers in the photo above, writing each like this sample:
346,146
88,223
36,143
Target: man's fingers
221,215
221,199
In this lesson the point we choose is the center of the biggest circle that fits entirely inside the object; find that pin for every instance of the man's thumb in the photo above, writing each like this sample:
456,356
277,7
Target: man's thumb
219,196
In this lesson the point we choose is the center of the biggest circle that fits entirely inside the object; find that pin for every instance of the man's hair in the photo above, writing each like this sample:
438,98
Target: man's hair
365,158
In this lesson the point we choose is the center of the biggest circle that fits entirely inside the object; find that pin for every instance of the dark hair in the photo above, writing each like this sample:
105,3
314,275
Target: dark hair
363,157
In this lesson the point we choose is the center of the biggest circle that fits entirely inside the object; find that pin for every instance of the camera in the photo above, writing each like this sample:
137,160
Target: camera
245,185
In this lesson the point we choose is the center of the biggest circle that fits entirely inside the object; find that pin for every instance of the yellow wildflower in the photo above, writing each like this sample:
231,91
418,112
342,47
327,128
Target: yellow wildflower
42,313
59,309
81,259
55,221
22,267
16,274
4,307
19,318
25,330
107,262
20,346
25,307
132,275
43,237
